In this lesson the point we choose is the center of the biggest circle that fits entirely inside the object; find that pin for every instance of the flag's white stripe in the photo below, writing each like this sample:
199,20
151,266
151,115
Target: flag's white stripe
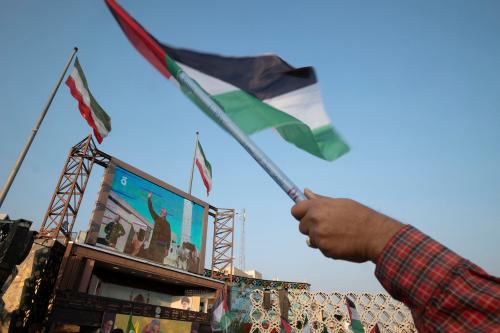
86,99
218,312
206,173
305,104
210,84
100,126
355,315
81,87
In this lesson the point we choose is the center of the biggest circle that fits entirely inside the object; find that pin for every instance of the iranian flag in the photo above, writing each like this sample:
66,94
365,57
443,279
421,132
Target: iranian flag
204,167
256,92
91,111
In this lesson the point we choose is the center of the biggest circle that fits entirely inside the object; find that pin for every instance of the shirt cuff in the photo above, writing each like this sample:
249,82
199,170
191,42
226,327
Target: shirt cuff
412,265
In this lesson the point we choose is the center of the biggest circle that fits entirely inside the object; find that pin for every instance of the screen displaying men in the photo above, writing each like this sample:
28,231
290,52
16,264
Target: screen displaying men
143,219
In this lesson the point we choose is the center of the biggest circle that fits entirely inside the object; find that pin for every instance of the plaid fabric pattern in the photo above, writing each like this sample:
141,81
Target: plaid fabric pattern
445,292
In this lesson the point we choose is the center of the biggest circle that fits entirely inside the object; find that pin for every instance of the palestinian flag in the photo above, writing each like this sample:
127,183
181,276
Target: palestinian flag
356,325
219,312
91,111
255,92
204,167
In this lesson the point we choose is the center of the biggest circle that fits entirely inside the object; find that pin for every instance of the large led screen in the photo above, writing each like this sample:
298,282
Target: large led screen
141,216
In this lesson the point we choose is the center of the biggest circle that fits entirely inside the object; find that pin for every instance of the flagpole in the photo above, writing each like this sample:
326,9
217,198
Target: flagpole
34,131
216,111
194,159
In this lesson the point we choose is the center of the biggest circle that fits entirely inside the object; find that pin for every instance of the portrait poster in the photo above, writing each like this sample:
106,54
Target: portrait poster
130,323
141,216
98,287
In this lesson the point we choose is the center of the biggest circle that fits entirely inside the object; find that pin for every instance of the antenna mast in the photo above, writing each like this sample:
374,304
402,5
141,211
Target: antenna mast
243,217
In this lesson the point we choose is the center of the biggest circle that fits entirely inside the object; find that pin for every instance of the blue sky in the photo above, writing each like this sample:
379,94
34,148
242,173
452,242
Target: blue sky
413,86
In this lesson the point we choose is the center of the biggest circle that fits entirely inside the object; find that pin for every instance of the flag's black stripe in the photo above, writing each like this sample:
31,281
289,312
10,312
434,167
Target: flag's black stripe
264,76
350,302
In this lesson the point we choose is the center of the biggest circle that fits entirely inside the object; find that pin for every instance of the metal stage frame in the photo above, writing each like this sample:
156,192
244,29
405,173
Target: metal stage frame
65,203
223,241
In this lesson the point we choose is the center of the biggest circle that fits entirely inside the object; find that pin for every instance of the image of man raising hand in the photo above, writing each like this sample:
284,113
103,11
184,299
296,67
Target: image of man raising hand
160,240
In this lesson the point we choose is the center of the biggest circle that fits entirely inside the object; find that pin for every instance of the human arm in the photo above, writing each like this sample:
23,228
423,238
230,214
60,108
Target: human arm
444,291
150,207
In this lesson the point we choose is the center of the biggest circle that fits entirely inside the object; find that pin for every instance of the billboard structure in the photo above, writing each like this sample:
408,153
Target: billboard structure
141,216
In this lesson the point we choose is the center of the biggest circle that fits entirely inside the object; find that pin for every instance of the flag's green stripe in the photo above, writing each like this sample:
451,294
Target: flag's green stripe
209,168
173,67
205,161
100,113
252,115
202,152
330,142
357,327
96,108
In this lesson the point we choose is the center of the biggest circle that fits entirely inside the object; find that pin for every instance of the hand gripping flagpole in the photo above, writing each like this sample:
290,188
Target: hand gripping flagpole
216,111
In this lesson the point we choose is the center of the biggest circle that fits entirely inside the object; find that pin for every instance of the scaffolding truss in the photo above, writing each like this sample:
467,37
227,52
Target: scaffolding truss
222,249
65,203
63,208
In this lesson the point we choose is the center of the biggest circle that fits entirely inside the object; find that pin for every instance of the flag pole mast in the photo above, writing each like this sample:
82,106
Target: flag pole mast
34,131
194,159
216,111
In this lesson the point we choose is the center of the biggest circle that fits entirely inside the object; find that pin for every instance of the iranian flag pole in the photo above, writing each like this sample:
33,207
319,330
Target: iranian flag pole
215,110
194,159
23,153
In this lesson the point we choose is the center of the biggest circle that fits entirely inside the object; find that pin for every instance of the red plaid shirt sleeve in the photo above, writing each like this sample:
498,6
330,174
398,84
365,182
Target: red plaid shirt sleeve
445,292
